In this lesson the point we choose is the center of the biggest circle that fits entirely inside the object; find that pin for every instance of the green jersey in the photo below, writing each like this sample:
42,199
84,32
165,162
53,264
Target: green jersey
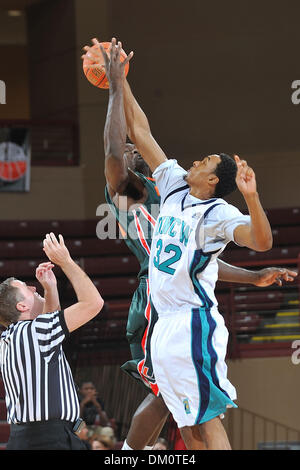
137,224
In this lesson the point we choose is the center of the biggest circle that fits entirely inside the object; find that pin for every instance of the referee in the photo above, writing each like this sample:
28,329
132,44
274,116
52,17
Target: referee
41,399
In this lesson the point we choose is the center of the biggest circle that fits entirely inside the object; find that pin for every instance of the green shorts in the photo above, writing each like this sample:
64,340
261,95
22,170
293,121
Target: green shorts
140,324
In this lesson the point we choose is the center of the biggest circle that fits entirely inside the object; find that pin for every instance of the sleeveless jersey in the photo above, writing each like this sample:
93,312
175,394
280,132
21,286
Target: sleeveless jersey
137,224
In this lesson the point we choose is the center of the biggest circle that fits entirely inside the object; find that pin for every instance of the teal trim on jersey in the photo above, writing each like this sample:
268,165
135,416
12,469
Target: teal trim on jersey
212,396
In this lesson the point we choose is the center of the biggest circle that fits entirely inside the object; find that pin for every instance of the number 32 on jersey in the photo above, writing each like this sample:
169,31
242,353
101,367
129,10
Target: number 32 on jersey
173,250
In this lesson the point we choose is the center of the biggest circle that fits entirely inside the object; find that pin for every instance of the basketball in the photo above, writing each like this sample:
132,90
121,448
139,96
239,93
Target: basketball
96,76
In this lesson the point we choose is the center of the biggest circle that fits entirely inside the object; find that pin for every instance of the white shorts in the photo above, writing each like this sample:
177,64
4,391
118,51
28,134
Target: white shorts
188,356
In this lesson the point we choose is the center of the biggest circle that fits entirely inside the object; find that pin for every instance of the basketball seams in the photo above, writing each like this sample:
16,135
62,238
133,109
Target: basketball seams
93,74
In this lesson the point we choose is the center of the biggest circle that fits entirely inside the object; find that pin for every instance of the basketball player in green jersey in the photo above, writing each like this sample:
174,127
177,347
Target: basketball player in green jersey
134,201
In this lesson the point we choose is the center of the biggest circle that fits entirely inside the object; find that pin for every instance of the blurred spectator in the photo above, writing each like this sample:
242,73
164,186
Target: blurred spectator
161,444
96,444
83,435
91,407
101,443
107,433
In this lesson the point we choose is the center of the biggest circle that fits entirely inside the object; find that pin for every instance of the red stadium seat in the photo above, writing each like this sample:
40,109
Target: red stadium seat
286,235
4,432
284,216
244,254
117,286
110,288
3,412
27,229
2,389
256,296
78,247
96,247
110,265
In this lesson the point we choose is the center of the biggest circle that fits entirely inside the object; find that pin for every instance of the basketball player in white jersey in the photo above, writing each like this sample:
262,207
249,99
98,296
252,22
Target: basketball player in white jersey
147,416
195,224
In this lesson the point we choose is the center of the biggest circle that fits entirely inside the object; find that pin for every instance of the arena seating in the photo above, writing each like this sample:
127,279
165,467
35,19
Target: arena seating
260,320
250,312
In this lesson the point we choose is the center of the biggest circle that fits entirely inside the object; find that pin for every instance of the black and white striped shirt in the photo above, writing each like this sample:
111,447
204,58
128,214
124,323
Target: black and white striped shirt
38,381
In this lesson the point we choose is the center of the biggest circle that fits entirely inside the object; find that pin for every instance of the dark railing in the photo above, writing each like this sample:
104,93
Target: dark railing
251,431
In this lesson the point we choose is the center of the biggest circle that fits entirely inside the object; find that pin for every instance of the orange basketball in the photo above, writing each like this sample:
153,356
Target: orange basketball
97,75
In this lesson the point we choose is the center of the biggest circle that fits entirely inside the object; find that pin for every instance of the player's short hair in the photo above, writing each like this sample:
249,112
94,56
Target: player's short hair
9,297
226,171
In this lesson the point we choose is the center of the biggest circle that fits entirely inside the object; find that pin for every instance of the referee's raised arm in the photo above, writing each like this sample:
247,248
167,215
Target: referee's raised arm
90,301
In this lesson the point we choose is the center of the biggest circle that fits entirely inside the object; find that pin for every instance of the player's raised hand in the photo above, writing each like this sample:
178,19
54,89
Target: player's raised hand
93,54
245,177
56,251
114,68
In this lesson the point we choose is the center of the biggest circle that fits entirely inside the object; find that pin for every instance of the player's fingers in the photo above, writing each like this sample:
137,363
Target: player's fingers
128,58
45,241
48,239
49,243
112,48
241,173
105,56
291,272
119,47
45,265
61,240
96,42
90,53
54,239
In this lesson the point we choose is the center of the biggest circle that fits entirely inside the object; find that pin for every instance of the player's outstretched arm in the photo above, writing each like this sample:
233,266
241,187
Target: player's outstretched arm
257,235
139,131
115,128
261,278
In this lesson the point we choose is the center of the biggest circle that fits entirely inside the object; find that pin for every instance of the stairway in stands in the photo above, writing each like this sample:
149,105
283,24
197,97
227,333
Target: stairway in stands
4,426
283,326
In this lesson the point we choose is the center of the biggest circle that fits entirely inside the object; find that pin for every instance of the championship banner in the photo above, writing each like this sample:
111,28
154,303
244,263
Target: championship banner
14,159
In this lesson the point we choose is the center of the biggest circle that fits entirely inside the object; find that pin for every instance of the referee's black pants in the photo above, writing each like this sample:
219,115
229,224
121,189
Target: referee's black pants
44,435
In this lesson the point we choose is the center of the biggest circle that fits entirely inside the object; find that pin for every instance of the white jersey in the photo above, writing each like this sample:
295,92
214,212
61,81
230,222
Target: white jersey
188,237
189,340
